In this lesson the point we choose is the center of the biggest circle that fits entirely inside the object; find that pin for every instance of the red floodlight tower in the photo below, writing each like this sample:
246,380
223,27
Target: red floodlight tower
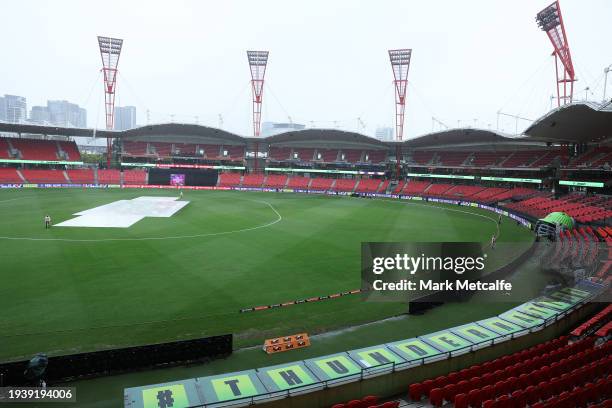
258,60
400,63
551,22
110,49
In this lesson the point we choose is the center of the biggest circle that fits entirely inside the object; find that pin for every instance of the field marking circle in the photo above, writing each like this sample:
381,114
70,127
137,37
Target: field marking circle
277,220
211,234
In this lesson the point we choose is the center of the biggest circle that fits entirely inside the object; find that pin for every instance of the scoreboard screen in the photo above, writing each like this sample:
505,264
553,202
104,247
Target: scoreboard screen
177,179
186,177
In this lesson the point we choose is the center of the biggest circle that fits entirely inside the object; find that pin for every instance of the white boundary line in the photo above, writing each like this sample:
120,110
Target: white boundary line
212,234
443,208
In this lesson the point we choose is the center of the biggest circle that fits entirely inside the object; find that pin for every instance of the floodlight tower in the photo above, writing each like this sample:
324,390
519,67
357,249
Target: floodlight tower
400,63
110,49
551,22
258,60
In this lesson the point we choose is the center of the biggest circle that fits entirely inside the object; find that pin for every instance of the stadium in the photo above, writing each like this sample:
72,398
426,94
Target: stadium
191,266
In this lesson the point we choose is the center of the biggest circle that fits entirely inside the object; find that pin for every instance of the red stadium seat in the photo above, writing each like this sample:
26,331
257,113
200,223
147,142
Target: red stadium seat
427,386
461,401
449,392
441,381
369,400
436,397
415,391
475,397
519,399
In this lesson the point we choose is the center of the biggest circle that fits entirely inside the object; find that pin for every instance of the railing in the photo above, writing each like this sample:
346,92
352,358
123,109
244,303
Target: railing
389,368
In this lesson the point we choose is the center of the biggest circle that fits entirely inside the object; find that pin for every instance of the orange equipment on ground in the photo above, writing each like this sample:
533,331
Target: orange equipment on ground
280,344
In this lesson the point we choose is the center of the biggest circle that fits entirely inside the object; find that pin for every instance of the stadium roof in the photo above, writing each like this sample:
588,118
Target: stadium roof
461,136
574,123
322,136
180,130
46,130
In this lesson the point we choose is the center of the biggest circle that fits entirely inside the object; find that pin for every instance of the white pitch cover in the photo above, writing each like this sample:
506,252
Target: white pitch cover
125,213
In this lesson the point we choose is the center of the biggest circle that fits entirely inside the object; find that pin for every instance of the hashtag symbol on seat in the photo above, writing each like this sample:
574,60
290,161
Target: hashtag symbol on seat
164,399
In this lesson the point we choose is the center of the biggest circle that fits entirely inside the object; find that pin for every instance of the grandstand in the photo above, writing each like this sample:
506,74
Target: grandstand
366,185
554,373
252,180
276,181
551,350
566,366
307,264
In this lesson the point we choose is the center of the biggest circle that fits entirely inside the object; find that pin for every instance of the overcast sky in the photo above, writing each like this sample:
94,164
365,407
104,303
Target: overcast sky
328,61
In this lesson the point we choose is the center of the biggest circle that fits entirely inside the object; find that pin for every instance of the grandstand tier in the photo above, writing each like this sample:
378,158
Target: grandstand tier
5,149
299,182
81,176
584,211
555,373
322,184
253,180
229,179
44,176
344,185
366,185
71,150
276,181
35,149
109,176
414,187
134,177
10,175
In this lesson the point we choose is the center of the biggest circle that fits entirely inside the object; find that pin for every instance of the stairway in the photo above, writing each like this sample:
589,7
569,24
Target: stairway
21,176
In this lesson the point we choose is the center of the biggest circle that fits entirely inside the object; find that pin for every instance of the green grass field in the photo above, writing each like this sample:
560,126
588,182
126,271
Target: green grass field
69,290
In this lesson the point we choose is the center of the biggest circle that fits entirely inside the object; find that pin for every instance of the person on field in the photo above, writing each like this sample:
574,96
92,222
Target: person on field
493,240
180,194
47,222
500,219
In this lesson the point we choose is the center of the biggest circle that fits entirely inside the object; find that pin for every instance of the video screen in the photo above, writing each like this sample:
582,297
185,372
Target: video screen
177,179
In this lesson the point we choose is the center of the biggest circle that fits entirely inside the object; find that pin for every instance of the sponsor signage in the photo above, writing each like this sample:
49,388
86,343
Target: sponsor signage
290,170
487,178
444,176
513,180
63,162
182,166
596,184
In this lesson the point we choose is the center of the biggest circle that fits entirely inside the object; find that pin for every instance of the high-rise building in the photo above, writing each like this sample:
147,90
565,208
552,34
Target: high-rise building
64,113
15,108
40,115
273,128
384,133
2,109
125,117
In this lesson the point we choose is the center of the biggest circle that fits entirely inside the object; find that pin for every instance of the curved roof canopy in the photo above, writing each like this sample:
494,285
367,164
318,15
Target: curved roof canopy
180,130
574,123
460,136
323,136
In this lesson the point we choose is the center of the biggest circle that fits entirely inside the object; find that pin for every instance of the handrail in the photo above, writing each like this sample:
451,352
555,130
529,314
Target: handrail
393,366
